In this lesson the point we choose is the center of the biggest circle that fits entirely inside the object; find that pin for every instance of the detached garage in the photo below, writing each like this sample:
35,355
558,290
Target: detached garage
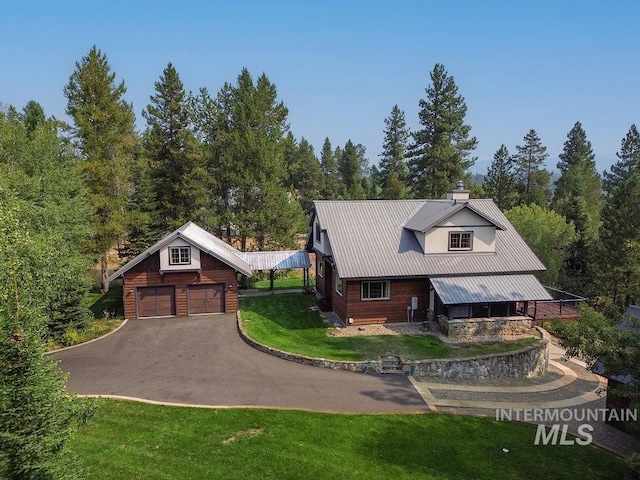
188,272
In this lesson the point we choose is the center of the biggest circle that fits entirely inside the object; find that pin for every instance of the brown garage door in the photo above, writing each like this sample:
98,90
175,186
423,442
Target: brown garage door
206,299
156,301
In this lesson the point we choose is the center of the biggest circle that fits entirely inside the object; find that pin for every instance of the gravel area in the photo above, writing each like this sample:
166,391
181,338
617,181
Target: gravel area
422,328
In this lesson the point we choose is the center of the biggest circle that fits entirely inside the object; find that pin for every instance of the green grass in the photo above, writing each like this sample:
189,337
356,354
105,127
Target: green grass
286,323
127,440
106,306
291,280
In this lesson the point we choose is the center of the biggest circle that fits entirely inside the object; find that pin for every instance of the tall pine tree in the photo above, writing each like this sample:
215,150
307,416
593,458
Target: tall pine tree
578,197
392,169
440,153
350,166
330,176
178,172
500,183
532,179
620,253
105,136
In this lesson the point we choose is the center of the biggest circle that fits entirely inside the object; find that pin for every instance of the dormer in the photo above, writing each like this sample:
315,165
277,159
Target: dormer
453,226
179,255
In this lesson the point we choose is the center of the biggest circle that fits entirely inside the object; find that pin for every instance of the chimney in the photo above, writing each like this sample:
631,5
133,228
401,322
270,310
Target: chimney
458,193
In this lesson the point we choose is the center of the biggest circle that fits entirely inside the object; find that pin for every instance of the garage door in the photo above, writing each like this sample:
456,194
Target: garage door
156,301
206,299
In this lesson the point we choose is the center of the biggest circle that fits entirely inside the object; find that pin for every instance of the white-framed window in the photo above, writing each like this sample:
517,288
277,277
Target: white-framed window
179,255
378,290
318,233
338,285
319,267
460,240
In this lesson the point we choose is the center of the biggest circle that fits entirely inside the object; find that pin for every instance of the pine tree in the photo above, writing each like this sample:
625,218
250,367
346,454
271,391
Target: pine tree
104,132
578,197
499,182
304,172
350,166
620,253
329,165
394,174
177,170
439,155
532,179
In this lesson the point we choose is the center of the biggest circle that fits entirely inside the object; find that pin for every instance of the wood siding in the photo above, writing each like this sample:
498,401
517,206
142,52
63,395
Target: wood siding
386,311
147,274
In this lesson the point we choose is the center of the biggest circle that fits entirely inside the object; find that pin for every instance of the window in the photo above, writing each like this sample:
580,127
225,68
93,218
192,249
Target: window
319,267
375,291
318,233
338,285
460,240
179,255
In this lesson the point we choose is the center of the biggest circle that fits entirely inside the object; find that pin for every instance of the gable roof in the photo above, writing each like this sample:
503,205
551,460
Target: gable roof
370,239
432,212
198,237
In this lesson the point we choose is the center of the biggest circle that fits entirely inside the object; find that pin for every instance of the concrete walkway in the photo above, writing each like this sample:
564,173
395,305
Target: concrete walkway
568,393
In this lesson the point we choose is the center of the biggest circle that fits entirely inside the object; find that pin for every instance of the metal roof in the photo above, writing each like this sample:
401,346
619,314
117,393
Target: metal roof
198,237
489,288
277,260
368,239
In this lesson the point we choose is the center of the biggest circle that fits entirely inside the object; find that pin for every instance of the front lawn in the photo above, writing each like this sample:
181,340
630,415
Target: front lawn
127,440
286,323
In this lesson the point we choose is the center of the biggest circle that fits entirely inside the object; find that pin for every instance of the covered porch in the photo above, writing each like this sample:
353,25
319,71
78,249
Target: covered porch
488,305
280,260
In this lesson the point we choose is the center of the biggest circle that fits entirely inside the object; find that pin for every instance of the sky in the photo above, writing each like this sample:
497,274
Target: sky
341,66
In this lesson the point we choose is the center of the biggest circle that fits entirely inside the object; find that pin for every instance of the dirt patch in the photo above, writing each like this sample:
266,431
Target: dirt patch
250,433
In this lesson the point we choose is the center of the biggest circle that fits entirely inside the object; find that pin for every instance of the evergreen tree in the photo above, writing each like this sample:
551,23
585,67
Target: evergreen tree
500,183
394,174
350,168
620,253
33,116
330,176
178,172
578,197
439,155
37,416
532,179
304,172
104,131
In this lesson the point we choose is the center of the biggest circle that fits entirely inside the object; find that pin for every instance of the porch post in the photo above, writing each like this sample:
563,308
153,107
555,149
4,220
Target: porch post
271,272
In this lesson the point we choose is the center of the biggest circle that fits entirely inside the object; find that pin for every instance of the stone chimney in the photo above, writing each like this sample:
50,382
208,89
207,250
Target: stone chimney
458,193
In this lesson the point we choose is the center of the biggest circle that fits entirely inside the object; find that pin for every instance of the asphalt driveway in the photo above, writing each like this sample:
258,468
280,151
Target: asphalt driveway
202,360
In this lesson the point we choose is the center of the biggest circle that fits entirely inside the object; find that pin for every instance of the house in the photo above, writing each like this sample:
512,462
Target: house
457,260
187,272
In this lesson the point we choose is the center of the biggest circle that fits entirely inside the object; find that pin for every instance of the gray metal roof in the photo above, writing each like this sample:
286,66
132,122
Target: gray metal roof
368,239
203,240
489,288
277,260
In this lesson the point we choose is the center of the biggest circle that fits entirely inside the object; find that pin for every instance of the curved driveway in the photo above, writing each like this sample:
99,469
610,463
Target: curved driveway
202,360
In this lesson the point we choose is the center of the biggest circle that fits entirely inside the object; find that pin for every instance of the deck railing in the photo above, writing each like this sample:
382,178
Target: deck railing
563,306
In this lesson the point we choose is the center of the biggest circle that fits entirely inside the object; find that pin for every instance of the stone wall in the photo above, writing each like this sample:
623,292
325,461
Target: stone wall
484,327
527,362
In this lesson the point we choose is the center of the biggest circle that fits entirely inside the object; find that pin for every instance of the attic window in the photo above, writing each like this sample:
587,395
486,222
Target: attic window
460,240
179,255
318,234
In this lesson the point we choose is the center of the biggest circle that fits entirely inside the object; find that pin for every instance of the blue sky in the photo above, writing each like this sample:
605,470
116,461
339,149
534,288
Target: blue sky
341,66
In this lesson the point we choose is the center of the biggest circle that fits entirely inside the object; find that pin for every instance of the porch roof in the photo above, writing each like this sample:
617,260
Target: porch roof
489,289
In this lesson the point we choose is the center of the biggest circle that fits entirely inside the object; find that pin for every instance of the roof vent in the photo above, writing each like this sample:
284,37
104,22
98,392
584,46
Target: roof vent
458,193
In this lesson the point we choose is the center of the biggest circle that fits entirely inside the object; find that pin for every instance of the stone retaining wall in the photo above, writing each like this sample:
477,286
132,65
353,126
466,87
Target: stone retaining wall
527,362
474,327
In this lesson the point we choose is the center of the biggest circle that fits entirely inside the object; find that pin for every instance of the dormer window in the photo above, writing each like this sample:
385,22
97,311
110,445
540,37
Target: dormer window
460,241
179,255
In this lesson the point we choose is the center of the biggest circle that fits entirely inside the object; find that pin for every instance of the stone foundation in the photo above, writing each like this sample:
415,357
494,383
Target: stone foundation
484,327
